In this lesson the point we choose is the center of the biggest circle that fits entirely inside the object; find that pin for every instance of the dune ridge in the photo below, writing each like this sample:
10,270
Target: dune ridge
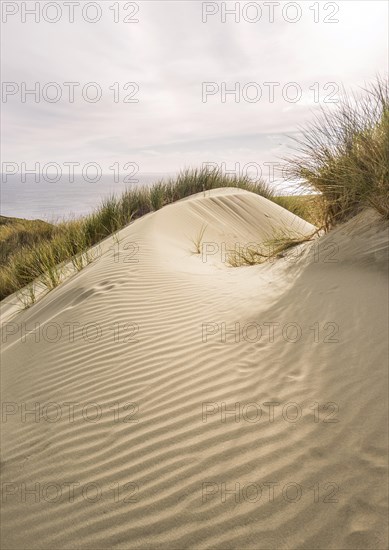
160,360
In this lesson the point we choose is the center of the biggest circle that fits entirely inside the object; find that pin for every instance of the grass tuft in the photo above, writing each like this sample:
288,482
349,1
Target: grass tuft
344,155
275,247
198,240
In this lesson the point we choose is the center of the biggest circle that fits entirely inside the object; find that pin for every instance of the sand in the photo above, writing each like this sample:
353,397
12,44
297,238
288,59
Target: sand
212,407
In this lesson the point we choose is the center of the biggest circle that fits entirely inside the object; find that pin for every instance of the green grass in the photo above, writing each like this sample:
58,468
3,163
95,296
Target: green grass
344,156
35,250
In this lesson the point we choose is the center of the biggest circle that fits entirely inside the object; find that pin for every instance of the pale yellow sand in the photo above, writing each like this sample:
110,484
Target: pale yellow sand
177,465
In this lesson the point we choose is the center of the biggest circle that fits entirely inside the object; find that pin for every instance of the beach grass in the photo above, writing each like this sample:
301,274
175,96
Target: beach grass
344,155
197,241
272,248
309,207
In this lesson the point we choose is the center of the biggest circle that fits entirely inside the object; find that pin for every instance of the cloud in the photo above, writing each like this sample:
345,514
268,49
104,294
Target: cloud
169,54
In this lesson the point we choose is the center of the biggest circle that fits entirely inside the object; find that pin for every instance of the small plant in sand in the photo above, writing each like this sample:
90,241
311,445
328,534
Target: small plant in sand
283,240
81,260
198,240
116,238
272,248
52,276
27,296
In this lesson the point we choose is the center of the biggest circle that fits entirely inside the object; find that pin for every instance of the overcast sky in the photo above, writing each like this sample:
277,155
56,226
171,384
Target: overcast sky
169,53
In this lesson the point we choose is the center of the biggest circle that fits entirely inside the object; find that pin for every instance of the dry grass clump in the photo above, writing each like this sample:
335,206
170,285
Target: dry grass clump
197,241
344,155
273,248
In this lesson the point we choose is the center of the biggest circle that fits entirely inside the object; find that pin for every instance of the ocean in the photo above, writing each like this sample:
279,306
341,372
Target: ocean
55,201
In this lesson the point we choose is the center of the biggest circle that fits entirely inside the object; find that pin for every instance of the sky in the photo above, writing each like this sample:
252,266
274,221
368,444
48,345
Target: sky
178,60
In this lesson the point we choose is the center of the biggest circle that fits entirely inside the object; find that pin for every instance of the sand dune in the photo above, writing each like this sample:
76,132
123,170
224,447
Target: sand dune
213,407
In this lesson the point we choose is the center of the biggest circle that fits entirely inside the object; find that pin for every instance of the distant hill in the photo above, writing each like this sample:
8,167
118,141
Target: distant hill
18,232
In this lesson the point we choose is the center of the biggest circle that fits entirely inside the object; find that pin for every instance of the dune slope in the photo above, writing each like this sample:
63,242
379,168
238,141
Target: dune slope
181,403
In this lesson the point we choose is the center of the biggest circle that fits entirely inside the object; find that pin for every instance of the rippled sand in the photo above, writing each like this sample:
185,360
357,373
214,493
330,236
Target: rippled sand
195,405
